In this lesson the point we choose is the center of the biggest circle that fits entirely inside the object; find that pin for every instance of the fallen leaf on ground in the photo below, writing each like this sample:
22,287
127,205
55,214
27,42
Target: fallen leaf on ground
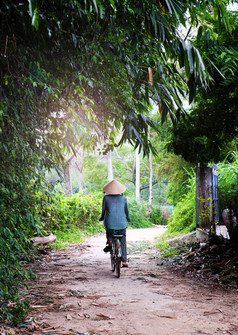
80,278
206,313
104,316
168,316
39,306
219,310
96,331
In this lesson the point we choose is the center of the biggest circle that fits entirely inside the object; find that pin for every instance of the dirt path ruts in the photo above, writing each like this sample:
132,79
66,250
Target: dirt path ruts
76,293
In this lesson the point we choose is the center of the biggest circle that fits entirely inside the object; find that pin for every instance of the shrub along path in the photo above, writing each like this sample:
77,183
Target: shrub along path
76,293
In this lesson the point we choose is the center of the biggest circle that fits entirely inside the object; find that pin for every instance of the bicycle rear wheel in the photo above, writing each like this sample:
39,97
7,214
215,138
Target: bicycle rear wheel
118,268
112,262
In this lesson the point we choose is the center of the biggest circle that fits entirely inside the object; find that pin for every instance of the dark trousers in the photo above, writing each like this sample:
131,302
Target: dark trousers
109,234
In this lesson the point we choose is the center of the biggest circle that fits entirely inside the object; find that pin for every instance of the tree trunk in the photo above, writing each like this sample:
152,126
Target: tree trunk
43,239
109,166
151,175
137,163
78,168
67,180
150,181
71,161
79,176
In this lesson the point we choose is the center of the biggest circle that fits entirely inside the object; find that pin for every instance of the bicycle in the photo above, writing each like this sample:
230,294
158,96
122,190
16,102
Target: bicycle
116,252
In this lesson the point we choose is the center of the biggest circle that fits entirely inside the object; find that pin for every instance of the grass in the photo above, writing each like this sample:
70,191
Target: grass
65,238
170,247
138,246
166,249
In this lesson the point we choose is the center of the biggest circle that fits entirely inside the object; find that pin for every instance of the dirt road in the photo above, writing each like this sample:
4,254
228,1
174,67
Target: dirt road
77,293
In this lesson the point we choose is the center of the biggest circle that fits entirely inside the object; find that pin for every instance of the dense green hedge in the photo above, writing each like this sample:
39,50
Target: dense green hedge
80,211
19,220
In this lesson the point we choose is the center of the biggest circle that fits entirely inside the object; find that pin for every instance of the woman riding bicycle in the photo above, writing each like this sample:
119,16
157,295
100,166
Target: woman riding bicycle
115,214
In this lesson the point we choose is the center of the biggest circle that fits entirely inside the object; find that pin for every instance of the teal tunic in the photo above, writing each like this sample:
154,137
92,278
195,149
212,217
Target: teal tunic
115,212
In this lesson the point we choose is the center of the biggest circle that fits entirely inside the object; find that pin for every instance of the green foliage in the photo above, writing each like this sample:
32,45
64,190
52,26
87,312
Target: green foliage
171,245
15,313
95,172
183,218
19,221
206,133
205,215
178,171
228,181
68,236
79,212
155,216
95,75
228,191
139,214
166,249
13,252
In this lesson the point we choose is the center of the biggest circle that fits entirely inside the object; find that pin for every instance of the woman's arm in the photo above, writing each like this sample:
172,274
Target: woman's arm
103,209
127,211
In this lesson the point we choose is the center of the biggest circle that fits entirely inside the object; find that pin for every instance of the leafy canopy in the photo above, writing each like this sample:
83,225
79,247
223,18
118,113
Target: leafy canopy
207,132
89,60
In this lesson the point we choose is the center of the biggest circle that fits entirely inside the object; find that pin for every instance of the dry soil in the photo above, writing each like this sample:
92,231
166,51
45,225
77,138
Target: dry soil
76,293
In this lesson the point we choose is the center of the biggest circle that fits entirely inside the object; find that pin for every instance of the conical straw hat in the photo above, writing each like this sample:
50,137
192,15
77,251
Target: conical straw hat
114,187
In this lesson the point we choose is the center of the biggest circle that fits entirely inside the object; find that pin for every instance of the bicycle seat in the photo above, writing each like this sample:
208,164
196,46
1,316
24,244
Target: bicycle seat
117,234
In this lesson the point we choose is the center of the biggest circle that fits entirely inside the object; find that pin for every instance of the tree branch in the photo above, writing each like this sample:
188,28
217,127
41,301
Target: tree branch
147,186
123,160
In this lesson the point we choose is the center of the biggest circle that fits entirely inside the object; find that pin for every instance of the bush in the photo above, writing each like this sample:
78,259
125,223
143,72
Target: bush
77,212
139,214
183,219
155,216
228,192
18,222
228,183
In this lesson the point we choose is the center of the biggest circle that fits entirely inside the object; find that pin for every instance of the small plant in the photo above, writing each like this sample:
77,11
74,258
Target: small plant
166,249
206,212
